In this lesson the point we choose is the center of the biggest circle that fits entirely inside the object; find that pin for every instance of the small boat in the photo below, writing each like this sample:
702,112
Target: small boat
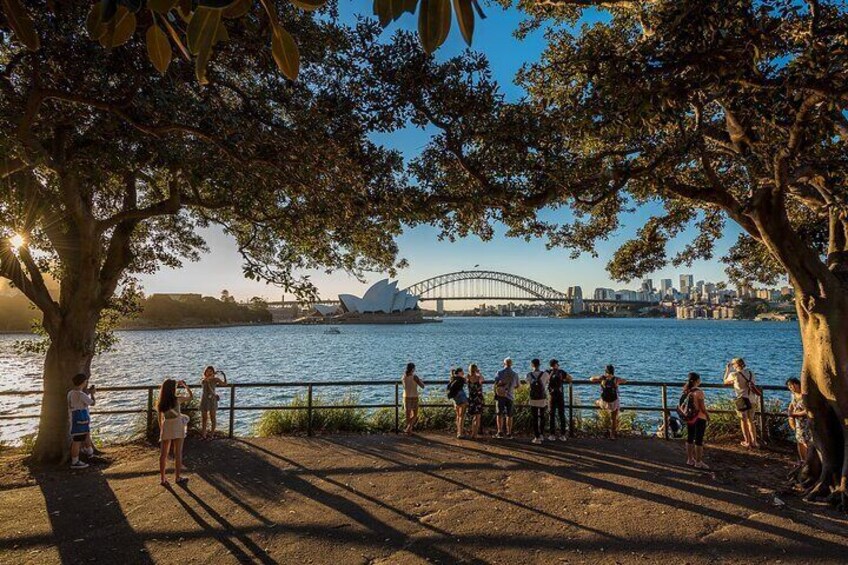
332,331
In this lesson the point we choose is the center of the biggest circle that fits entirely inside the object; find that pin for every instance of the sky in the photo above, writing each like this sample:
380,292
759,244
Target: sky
221,268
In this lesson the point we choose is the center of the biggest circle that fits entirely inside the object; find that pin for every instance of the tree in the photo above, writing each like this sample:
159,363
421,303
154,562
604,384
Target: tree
721,111
109,170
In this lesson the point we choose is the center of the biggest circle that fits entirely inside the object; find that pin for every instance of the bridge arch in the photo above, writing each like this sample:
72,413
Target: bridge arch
427,289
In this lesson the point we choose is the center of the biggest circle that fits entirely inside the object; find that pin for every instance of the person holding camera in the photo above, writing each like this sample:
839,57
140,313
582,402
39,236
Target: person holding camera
172,427
80,397
209,399
742,379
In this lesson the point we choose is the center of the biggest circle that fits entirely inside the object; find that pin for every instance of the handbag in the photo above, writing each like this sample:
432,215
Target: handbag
743,403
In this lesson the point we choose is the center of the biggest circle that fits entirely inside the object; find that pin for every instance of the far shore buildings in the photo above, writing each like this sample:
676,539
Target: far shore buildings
382,302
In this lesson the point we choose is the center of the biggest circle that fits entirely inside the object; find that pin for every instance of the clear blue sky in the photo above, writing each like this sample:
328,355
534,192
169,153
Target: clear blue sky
221,268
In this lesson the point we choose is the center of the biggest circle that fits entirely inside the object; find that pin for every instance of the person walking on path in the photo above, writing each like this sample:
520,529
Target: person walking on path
476,403
80,397
556,389
693,409
799,418
538,381
506,382
411,384
172,427
742,379
456,392
209,399
609,396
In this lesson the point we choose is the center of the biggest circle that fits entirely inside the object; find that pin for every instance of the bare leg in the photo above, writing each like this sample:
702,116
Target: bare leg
509,425
204,418
213,417
690,453
699,454
164,447
178,458
75,450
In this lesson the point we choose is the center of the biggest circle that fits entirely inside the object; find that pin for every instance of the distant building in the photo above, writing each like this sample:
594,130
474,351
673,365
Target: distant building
666,287
604,294
686,283
648,286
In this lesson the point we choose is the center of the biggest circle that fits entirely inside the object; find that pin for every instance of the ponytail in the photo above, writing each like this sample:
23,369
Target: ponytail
692,381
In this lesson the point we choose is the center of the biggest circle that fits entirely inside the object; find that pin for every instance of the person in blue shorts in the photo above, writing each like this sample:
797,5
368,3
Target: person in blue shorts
80,397
456,392
506,382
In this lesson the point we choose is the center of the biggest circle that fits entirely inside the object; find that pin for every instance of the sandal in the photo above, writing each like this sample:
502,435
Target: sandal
182,480
164,483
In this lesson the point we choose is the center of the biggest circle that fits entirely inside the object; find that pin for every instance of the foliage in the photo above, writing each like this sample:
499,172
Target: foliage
278,422
726,426
196,27
749,308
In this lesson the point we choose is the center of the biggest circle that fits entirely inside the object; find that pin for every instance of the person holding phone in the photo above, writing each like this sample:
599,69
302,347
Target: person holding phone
172,427
742,380
209,399
80,397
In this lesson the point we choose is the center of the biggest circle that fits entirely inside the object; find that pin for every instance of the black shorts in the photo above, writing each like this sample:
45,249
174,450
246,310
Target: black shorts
695,431
79,437
504,406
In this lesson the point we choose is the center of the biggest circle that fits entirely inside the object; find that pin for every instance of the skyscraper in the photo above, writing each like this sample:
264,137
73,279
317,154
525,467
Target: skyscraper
665,287
686,283
648,285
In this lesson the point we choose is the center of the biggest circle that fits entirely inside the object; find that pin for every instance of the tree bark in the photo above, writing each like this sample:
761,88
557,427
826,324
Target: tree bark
824,381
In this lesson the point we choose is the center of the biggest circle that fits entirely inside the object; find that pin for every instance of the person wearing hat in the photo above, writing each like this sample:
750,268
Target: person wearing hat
506,382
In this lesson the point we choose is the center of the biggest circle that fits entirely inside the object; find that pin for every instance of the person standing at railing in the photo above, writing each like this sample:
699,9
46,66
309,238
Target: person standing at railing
209,399
506,382
411,383
742,379
799,418
172,427
609,396
556,389
79,399
538,381
476,402
693,409
456,392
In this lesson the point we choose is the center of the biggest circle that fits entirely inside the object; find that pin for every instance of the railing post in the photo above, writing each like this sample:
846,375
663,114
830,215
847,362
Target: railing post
232,410
665,410
397,407
149,412
309,410
571,409
763,427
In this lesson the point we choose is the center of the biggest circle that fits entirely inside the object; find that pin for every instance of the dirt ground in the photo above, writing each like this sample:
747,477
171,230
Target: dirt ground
431,498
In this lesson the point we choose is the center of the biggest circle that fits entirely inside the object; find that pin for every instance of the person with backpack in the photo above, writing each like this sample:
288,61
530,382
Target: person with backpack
411,383
742,380
609,396
456,392
538,381
693,410
506,382
556,389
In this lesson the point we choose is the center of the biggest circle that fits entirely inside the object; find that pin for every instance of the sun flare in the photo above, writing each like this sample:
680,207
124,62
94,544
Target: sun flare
17,241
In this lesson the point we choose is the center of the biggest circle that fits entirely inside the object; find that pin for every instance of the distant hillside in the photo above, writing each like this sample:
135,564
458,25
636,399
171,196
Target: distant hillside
158,311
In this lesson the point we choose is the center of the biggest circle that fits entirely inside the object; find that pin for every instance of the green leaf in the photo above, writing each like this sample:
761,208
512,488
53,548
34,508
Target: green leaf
285,52
465,19
238,9
202,33
119,29
21,24
434,19
159,48
309,5
161,6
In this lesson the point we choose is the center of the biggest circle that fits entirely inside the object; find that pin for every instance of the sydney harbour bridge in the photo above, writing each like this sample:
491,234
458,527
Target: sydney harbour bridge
497,286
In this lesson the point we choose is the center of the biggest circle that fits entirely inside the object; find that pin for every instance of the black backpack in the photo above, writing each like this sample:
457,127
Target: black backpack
537,388
609,392
686,407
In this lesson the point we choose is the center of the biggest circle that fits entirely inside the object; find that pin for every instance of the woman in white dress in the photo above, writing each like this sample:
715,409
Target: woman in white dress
172,427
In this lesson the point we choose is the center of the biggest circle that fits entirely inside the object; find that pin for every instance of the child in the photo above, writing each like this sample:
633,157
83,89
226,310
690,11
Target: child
172,427
209,399
80,397
799,420
411,384
609,396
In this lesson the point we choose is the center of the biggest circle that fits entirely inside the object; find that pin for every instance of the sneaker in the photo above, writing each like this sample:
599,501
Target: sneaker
498,435
88,452
702,465
536,441
508,436
79,465
563,438
552,437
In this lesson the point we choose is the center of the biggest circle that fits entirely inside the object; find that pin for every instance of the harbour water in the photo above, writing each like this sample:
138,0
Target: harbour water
641,350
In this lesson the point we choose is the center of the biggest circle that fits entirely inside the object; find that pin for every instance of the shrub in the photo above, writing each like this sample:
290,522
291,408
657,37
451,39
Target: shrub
279,422
599,422
726,426
191,409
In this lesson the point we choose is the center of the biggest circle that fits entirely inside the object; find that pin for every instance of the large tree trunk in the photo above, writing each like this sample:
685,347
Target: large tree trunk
824,377
71,351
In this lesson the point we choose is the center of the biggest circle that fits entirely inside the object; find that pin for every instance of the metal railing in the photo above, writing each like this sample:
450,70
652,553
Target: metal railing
232,408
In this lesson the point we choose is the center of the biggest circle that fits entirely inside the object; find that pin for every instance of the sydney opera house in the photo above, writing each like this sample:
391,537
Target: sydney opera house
382,302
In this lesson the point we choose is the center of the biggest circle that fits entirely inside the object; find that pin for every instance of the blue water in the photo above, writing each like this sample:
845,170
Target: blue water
641,350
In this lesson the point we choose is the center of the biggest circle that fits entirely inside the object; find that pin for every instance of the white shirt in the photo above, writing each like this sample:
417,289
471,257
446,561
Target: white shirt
410,387
740,383
78,400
